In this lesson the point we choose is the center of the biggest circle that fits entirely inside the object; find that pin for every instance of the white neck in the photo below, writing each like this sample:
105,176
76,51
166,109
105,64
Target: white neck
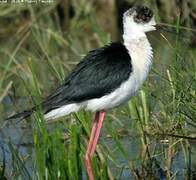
139,49
135,40
132,35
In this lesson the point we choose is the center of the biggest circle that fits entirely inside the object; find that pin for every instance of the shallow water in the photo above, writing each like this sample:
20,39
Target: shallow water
20,135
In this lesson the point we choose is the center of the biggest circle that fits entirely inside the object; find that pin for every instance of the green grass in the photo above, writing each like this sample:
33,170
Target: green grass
139,138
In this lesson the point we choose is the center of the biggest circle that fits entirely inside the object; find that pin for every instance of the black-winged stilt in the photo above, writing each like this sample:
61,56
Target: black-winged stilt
105,78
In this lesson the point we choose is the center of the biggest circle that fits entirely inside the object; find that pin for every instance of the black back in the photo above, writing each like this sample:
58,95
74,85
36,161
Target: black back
100,72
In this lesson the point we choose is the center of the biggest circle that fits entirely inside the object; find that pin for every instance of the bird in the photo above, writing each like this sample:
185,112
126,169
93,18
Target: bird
105,78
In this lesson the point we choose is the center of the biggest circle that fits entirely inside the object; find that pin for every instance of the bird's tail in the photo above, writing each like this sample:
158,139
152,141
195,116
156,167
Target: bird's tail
22,115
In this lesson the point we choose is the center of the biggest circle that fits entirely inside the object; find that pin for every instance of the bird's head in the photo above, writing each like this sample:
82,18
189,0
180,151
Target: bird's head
138,19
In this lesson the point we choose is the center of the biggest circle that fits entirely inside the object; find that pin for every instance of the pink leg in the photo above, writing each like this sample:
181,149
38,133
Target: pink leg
98,130
95,132
87,155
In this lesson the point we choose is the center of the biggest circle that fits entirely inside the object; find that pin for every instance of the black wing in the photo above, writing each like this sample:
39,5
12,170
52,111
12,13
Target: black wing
101,71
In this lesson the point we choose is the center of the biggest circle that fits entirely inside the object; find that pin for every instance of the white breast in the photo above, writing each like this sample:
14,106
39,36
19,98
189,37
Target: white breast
141,56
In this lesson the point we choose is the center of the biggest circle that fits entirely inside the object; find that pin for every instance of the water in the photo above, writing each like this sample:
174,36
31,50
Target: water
20,135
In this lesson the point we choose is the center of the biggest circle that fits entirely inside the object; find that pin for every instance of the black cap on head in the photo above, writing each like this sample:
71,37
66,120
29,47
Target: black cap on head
143,14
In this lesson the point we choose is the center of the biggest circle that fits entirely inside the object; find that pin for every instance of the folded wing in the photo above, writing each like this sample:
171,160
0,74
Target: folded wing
99,73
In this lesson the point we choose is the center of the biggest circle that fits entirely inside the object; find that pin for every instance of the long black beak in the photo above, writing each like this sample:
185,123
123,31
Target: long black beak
172,30
165,28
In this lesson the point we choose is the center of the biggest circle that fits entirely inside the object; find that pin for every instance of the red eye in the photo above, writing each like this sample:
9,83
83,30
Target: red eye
143,18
